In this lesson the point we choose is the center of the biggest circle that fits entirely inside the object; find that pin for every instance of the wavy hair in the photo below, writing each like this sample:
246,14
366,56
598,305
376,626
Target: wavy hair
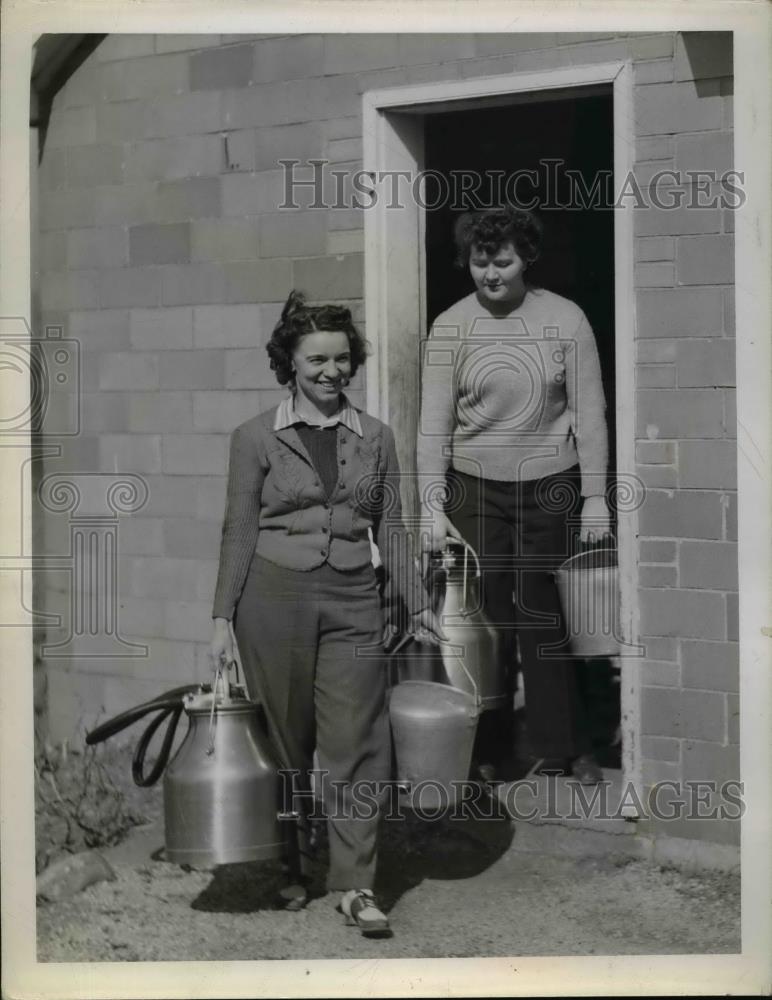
489,229
298,319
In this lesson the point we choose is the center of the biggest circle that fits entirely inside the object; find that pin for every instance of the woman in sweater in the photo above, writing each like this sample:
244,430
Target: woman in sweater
306,482
513,416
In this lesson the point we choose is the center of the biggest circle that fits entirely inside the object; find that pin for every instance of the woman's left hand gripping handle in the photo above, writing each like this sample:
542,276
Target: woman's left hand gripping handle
222,648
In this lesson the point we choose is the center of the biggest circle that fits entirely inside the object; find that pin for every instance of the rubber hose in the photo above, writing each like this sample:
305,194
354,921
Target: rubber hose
169,699
138,761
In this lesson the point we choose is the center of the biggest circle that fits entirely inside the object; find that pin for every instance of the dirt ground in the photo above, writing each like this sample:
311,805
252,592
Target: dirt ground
453,889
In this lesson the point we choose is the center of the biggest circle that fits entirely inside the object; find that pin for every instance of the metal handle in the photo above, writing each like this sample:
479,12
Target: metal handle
218,676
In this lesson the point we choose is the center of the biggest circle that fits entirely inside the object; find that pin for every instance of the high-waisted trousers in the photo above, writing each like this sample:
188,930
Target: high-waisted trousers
522,533
311,647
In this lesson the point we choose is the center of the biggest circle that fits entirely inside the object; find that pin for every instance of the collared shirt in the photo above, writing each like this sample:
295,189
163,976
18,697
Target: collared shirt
287,416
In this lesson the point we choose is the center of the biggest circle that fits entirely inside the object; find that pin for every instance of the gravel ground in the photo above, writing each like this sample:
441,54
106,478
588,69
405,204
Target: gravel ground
452,889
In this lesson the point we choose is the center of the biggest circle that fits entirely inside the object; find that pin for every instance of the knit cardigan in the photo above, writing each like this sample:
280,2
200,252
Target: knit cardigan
278,509
513,397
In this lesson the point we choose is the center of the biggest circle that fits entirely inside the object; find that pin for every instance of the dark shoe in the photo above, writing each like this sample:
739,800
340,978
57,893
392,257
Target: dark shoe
293,897
361,910
586,770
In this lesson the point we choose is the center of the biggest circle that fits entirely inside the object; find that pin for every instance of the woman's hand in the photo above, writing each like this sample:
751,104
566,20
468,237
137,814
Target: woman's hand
596,520
434,537
222,648
426,627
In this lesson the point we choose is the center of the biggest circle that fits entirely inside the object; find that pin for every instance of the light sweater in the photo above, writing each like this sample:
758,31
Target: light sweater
514,397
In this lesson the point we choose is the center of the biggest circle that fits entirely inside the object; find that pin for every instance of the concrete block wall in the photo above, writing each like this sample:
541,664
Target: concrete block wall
165,253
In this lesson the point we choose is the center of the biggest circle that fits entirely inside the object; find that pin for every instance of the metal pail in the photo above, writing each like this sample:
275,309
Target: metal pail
589,592
433,726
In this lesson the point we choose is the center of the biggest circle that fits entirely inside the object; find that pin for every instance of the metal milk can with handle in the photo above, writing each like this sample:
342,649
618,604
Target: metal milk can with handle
470,659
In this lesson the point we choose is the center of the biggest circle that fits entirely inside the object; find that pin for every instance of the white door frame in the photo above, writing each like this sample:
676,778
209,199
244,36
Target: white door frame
394,290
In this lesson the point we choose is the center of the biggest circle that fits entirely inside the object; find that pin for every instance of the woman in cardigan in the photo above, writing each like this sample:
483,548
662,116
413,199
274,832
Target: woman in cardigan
306,481
513,414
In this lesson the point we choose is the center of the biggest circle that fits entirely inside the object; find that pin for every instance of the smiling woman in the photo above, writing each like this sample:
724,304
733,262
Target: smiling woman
297,590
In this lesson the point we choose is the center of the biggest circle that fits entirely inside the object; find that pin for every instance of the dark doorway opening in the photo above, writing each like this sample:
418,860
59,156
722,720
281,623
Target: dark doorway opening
561,147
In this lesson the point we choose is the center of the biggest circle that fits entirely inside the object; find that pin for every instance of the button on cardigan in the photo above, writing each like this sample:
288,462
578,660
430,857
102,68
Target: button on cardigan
276,508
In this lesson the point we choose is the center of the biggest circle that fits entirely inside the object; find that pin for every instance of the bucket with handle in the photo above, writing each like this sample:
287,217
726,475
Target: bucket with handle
588,584
433,727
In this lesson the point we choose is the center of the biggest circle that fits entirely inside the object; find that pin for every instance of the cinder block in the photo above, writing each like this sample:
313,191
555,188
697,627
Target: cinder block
661,748
52,170
240,150
682,714
183,200
94,164
712,666
691,413
221,412
190,284
185,43
161,329
140,536
72,127
97,248
654,248
191,621
289,58
656,673
293,234
501,44
730,413
654,275
655,351
128,371
708,565
657,476
340,97
248,369
140,617
161,577
100,329
190,538
707,465
174,495
355,53
654,174
220,68
701,55
130,452
185,114
681,514
655,71
706,363
488,66
207,582
126,205
120,46
256,281
66,290
730,516
242,111
655,772
256,194
330,278
677,212
345,219
415,49
654,147
705,761
146,78
192,370
129,286
234,325
301,142
66,209
705,151
657,577
655,376
195,454
729,312
705,260
733,719
159,244
52,251
670,108
345,242
657,551
659,648
161,412
104,412
224,239
732,617
657,46
211,501
688,613
122,121
575,55
345,150
174,159
82,88
680,312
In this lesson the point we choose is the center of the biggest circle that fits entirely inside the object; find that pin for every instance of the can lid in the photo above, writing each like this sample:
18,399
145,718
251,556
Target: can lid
201,700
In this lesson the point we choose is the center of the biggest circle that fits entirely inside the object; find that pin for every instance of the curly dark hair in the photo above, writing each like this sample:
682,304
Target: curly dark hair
298,319
490,228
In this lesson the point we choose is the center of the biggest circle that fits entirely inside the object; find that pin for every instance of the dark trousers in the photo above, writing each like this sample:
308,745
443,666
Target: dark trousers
521,532
310,644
